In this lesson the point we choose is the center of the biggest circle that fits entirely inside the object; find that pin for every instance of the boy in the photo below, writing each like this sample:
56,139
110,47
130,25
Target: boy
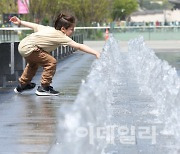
36,47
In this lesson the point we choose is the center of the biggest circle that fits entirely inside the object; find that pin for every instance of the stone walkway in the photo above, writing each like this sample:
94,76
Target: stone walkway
28,122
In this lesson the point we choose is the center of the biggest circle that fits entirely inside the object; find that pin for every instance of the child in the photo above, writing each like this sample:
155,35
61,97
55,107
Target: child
36,47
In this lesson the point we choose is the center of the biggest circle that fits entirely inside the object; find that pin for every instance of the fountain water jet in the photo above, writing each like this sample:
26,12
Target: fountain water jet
118,78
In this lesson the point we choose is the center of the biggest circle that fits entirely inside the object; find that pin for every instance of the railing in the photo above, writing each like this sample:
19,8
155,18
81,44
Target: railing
128,32
11,34
148,32
12,63
98,33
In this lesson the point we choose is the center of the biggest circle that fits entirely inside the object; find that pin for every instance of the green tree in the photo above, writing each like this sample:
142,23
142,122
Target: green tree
9,6
123,8
45,11
88,11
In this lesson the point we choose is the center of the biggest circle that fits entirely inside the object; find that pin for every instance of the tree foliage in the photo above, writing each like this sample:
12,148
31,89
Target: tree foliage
9,6
86,11
123,8
44,9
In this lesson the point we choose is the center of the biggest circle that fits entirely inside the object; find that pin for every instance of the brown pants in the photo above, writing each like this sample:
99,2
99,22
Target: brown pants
34,60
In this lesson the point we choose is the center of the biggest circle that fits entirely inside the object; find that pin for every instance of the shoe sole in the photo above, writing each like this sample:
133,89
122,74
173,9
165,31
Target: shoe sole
45,94
17,92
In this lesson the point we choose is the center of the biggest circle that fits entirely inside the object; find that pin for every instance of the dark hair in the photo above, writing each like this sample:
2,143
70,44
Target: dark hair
63,20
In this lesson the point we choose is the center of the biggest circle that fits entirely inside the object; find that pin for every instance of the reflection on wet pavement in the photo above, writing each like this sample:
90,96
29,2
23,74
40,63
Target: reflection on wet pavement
28,123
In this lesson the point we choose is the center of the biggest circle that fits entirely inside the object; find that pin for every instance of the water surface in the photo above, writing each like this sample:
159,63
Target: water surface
173,59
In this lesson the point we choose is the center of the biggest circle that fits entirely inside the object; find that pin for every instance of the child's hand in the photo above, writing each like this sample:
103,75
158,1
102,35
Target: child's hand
97,55
15,20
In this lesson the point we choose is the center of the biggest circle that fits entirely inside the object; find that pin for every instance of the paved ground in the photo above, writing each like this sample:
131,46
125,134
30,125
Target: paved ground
28,124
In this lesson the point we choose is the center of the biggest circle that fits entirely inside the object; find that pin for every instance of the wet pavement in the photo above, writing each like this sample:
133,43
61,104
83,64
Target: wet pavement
29,123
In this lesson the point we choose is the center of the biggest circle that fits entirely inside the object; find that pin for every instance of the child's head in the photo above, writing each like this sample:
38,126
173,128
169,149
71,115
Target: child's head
65,23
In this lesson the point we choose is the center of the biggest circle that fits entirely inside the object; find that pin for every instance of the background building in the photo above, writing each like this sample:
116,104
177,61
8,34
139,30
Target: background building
156,18
175,2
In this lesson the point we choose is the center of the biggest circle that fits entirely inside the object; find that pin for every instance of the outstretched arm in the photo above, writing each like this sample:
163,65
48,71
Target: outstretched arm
84,48
19,22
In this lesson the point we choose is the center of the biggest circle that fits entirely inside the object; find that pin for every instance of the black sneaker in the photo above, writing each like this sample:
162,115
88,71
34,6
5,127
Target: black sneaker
20,89
47,91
